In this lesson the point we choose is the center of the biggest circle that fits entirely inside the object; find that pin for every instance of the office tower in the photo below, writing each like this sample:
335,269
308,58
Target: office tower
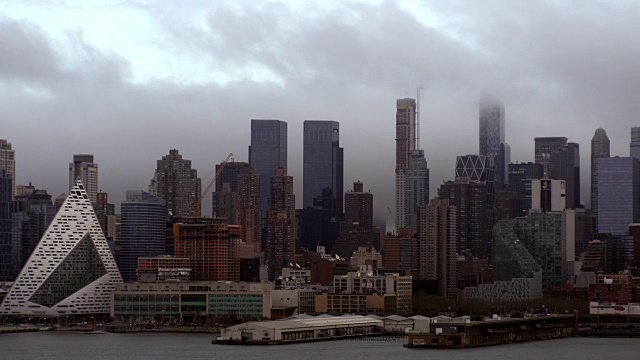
31,215
405,143
437,232
142,230
281,223
323,166
8,162
520,176
561,161
177,183
84,168
416,187
634,146
548,195
7,270
249,212
71,271
267,152
579,227
600,149
546,149
470,200
476,168
567,168
492,137
358,206
618,194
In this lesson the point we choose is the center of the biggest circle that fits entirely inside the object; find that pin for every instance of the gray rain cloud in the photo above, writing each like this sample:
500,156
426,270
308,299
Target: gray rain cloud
561,69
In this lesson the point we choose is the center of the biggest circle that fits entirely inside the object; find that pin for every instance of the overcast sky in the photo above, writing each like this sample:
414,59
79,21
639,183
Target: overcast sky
129,80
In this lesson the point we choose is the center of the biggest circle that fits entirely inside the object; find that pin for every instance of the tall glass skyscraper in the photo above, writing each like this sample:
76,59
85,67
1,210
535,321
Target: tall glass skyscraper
634,147
600,148
267,152
323,166
142,230
618,194
7,270
492,137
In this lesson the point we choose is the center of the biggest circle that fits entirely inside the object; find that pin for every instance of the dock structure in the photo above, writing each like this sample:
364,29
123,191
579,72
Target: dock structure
300,328
494,331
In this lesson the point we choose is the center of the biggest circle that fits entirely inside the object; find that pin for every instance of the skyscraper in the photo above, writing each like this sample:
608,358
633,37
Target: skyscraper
618,194
437,243
416,187
405,143
358,206
177,183
561,161
546,150
32,213
250,213
228,175
142,230
8,162
84,168
520,176
600,149
7,270
281,224
492,137
634,147
71,271
323,166
267,152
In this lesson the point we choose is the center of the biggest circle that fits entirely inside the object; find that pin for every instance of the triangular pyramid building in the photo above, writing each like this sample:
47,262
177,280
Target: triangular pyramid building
71,271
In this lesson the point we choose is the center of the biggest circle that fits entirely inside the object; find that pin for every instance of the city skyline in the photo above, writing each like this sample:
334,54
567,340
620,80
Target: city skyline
64,72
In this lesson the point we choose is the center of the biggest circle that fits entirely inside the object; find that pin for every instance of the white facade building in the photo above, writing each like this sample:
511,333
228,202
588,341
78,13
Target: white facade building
71,271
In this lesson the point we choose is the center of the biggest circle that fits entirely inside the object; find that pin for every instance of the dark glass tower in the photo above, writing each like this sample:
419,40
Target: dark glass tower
267,152
7,270
492,137
323,183
600,148
143,222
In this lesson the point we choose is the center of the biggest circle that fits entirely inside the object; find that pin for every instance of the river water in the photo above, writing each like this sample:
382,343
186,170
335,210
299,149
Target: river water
73,345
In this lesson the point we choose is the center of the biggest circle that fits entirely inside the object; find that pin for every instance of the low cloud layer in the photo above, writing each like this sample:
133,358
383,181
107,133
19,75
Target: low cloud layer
560,69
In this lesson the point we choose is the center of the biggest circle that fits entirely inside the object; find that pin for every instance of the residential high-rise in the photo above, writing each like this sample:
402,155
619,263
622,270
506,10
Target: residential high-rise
71,271
229,176
84,168
177,183
8,162
267,152
281,224
142,230
634,146
249,212
618,194
323,166
104,209
437,233
600,149
405,143
358,206
470,201
520,177
416,187
32,213
492,137
7,270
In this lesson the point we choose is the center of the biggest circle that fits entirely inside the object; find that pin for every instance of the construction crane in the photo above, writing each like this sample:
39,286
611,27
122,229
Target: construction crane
196,204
